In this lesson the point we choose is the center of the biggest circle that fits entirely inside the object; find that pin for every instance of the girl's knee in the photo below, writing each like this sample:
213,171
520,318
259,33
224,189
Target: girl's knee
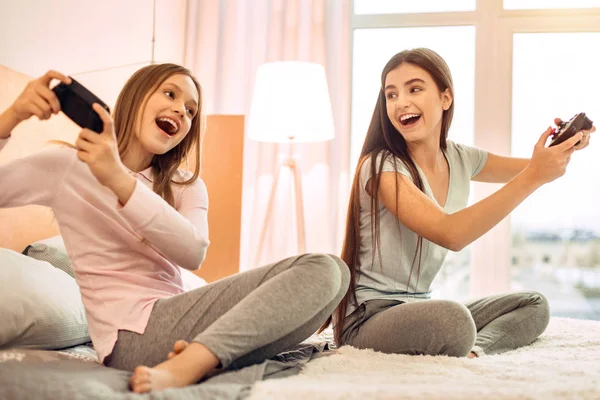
541,301
447,328
344,272
461,332
465,332
542,310
331,271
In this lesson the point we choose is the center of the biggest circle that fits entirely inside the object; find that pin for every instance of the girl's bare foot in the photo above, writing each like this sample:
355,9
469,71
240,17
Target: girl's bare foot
183,369
178,347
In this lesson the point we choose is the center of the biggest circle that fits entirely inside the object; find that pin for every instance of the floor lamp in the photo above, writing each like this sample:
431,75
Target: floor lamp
290,104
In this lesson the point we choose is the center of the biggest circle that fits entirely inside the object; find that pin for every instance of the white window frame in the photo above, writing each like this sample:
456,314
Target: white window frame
495,27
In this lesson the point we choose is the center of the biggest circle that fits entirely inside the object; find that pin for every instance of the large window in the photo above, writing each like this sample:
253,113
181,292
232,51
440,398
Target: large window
556,232
516,65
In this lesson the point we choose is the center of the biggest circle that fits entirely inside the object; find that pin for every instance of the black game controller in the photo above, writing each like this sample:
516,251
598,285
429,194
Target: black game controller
566,130
76,102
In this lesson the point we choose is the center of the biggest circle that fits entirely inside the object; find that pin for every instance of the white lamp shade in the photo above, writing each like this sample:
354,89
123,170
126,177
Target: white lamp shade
290,103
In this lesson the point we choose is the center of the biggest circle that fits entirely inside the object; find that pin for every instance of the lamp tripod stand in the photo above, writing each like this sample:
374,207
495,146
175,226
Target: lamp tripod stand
291,163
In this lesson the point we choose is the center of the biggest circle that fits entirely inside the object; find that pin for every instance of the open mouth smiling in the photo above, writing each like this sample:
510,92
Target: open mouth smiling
409,119
167,125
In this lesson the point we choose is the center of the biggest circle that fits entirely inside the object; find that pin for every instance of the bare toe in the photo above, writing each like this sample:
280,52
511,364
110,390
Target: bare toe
140,381
142,388
187,368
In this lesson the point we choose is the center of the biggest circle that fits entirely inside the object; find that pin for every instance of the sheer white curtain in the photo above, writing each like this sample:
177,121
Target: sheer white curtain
226,40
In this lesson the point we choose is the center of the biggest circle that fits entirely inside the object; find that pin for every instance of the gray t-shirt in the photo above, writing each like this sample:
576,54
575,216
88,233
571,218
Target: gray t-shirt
398,243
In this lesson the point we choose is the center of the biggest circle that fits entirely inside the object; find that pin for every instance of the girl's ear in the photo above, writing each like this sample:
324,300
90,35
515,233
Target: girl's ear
447,99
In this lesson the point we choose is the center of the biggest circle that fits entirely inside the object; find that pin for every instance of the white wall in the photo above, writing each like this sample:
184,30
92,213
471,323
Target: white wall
99,43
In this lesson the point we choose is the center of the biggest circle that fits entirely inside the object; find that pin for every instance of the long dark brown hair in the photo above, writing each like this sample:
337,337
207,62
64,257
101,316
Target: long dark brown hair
382,137
128,110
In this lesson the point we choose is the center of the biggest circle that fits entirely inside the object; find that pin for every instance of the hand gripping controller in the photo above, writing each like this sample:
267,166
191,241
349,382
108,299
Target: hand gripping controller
566,130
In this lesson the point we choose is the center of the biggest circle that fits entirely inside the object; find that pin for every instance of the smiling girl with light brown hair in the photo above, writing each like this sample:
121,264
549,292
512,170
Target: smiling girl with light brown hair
131,219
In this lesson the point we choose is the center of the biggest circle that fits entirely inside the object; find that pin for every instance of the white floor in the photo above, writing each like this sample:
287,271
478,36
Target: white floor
563,364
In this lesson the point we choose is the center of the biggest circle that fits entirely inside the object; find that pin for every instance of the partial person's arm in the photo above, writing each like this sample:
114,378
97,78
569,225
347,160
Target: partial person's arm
34,179
455,231
499,169
36,99
8,122
179,235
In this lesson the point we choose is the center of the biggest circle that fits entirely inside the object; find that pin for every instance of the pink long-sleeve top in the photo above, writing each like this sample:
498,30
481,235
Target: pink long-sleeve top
125,257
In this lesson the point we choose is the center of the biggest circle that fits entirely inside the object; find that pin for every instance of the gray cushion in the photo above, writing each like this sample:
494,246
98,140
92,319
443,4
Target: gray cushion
40,305
53,251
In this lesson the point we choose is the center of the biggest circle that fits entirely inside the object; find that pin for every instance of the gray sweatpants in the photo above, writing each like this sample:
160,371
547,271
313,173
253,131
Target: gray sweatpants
489,325
243,319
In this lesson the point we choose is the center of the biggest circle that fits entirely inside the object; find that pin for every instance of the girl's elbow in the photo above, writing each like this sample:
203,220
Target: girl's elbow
452,237
454,243
201,253
194,259
456,247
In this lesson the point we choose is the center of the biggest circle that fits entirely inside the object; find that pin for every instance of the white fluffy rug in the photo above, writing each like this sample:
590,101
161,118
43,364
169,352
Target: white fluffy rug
564,363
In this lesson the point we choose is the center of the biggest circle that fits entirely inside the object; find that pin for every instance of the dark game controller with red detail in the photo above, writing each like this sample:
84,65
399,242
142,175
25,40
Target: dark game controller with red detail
567,129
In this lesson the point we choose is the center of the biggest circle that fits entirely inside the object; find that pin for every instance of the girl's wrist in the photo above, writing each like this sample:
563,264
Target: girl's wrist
122,185
531,177
8,121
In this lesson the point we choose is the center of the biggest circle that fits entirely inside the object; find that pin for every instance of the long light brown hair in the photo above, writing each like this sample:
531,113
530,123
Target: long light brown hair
382,137
127,114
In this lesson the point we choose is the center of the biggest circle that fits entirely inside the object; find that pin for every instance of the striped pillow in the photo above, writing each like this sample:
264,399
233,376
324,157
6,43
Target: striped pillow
40,306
